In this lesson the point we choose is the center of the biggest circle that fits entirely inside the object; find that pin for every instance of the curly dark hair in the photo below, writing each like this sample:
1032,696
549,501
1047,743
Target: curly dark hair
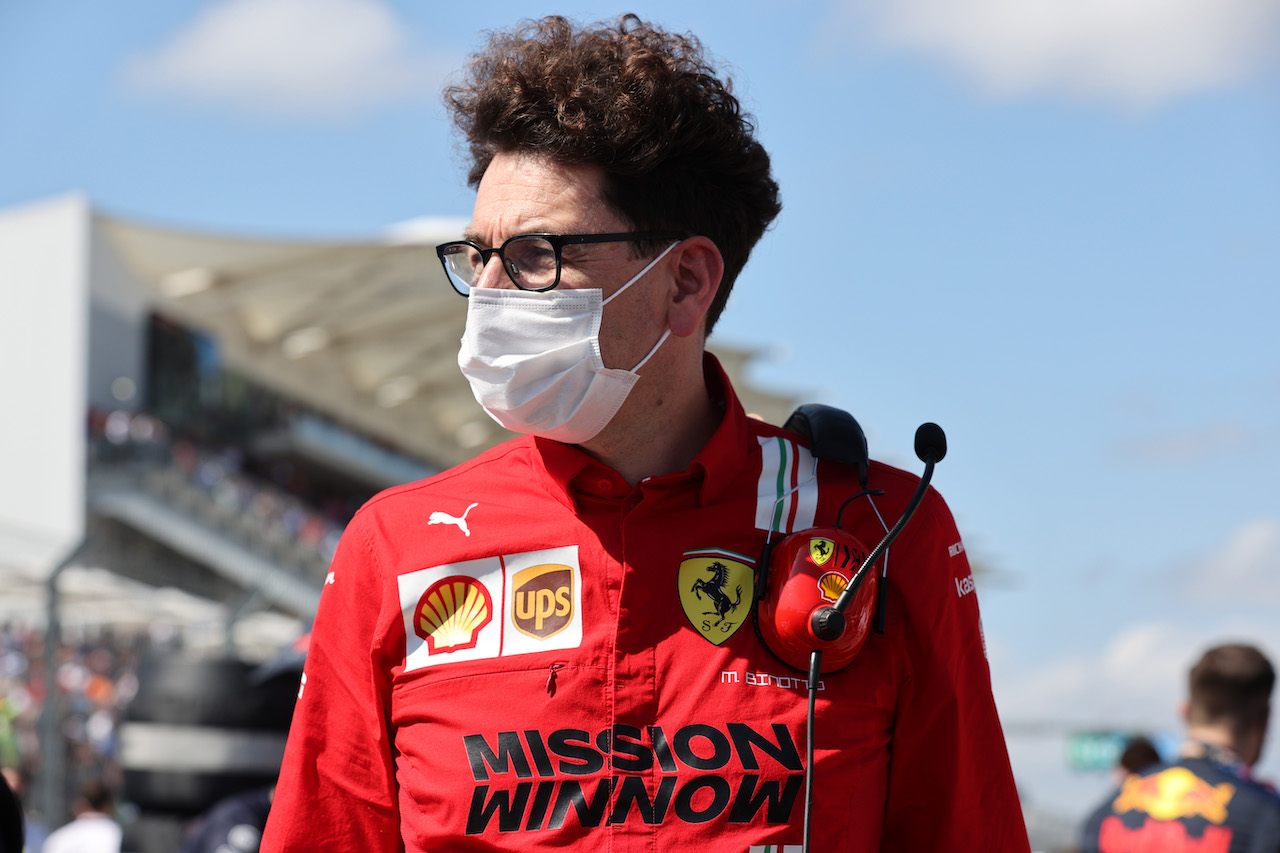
677,151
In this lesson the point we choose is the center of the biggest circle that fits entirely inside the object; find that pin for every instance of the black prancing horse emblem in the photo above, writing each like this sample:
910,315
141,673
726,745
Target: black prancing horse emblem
714,588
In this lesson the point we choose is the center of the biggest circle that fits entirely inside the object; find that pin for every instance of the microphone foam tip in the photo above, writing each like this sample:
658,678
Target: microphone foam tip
931,443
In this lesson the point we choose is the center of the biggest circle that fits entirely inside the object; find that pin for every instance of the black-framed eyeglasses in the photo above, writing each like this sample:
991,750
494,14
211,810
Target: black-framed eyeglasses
532,261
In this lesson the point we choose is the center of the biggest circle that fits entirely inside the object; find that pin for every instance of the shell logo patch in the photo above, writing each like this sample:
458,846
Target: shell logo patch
452,613
717,589
820,550
492,607
831,584
542,601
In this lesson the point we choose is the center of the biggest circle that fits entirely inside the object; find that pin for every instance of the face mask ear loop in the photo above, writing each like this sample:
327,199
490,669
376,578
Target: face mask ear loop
662,339
637,276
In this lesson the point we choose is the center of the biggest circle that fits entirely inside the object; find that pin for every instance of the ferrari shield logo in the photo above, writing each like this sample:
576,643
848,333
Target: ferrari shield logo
716,591
820,550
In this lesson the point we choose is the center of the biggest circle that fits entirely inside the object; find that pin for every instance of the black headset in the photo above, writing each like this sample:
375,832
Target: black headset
816,593
825,570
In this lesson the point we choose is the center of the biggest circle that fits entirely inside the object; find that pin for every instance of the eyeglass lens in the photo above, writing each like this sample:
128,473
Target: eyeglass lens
530,261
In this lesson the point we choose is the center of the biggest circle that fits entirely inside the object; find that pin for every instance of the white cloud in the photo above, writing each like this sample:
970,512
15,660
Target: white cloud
290,58
1245,570
1228,594
1186,446
1134,681
1136,53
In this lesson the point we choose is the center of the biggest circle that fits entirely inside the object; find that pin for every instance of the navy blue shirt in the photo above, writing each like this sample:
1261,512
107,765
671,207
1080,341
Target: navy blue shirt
1193,806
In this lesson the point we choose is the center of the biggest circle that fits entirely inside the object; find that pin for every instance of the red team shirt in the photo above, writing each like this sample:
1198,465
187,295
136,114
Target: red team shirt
525,652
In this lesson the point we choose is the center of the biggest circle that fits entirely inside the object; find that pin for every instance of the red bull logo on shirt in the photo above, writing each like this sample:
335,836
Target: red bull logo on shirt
1175,794
1157,835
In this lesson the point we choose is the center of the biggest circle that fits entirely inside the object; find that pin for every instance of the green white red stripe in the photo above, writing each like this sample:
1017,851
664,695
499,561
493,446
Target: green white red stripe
787,492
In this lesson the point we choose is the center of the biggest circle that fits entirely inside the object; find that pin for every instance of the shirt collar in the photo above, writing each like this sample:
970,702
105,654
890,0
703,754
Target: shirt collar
1220,755
570,472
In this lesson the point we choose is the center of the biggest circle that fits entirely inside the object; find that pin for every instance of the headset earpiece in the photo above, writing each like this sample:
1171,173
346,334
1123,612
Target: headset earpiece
833,434
804,574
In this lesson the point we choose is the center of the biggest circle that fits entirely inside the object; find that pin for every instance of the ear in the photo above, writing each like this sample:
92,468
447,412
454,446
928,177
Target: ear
1184,711
696,271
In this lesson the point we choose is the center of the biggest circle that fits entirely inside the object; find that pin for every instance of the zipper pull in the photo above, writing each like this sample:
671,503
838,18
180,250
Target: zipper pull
551,678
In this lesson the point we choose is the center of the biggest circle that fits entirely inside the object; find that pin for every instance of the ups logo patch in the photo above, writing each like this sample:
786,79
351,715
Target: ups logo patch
542,600
717,589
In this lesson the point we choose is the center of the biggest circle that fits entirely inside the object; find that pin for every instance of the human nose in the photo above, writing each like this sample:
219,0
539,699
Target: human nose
493,272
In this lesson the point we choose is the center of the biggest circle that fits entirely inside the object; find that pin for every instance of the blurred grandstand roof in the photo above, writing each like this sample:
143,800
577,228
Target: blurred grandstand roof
366,332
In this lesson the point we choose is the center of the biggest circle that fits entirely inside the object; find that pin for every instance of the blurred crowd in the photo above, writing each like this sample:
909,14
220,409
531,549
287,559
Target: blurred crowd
274,504
95,678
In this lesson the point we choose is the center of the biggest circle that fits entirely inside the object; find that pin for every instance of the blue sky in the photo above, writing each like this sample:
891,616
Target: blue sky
1052,228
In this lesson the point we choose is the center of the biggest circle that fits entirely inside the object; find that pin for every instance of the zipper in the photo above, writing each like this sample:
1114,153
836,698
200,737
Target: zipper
551,678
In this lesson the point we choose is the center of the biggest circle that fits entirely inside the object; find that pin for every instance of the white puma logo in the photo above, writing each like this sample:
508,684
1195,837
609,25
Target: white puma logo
439,517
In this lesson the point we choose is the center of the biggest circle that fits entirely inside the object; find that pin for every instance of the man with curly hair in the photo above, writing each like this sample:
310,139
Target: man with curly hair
550,646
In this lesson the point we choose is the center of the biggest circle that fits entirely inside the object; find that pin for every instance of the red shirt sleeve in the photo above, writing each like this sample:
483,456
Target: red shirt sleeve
950,784
337,789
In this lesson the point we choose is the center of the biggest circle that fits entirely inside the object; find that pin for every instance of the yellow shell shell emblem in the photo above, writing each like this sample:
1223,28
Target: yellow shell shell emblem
831,585
452,612
820,550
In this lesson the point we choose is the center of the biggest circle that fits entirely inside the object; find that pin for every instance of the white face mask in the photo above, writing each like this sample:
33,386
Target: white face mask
533,360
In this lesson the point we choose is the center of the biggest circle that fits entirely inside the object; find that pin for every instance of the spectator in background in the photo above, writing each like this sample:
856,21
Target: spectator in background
1205,801
1139,754
94,830
34,830
10,818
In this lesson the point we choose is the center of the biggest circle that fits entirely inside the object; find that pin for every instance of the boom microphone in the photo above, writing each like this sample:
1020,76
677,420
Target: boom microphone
828,624
931,443
931,446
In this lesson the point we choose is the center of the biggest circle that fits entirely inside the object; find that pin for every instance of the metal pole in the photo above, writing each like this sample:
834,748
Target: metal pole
53,753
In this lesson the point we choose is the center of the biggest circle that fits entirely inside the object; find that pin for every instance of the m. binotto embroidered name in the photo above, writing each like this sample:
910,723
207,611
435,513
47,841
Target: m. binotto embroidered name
768,679
688,788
